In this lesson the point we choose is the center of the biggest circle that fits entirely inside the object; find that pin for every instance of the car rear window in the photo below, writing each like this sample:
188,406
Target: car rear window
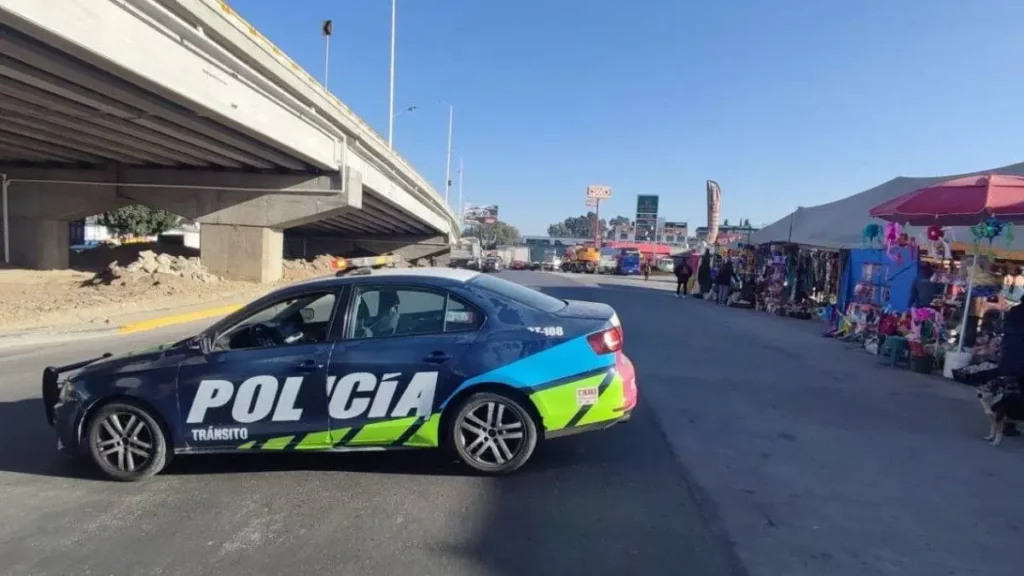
519,293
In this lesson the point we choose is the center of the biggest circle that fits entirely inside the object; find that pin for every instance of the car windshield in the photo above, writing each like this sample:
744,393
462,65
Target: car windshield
518,293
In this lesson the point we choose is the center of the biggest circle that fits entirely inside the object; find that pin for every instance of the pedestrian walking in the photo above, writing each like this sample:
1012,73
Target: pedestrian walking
683,271
647,269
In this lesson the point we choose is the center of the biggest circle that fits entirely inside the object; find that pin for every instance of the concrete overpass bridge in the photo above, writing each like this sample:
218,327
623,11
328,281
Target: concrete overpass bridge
182,105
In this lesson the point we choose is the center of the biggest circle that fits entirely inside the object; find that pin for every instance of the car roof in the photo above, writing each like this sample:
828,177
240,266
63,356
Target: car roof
449,274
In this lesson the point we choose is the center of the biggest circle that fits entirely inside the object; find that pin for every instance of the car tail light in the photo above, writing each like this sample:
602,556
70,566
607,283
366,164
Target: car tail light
607,341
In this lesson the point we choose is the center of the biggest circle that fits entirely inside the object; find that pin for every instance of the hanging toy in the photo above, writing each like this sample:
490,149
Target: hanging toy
892,241
936,233
872,232
989,230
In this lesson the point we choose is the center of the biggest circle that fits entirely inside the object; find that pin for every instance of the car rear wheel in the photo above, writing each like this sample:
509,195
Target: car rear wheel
493,434
126,442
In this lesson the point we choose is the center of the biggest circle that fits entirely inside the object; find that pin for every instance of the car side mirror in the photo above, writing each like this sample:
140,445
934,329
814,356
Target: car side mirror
202,343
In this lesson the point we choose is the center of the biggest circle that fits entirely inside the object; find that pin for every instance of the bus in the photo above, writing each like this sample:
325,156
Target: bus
628,262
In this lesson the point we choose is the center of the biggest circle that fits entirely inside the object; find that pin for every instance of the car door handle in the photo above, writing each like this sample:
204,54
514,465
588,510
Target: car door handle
309,366
437,357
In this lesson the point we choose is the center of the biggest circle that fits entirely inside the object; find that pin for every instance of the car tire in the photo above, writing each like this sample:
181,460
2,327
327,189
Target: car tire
492,433
120,435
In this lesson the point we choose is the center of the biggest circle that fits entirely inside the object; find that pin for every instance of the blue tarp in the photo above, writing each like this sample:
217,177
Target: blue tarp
892,278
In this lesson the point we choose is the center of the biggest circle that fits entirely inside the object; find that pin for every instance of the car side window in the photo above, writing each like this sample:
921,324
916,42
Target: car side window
384,311
461,317
304,319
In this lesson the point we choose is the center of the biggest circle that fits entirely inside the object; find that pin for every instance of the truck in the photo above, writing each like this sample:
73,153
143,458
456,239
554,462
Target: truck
581,259
628,262
608,263
466,254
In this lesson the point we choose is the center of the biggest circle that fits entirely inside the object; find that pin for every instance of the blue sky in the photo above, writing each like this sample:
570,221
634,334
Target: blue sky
784,102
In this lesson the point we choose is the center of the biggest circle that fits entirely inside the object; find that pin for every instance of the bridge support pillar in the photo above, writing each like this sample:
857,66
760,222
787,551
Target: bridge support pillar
39,243
242,252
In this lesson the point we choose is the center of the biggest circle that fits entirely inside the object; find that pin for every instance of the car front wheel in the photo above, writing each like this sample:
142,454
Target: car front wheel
126,442
493,434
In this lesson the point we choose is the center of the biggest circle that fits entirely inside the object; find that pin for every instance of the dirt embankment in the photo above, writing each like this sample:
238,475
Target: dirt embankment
110,283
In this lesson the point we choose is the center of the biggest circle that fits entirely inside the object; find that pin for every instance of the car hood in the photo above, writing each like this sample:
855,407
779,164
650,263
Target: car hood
137,360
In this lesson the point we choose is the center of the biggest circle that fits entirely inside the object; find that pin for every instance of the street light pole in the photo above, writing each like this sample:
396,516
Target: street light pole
327,29
391,90
393,116
459,211
448,163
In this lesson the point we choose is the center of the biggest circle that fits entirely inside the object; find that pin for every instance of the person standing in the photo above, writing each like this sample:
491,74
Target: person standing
704,273
723,281
683,272
647,269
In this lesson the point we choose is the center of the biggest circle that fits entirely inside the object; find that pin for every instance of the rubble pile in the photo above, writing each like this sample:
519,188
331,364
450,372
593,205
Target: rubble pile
322,263
150,263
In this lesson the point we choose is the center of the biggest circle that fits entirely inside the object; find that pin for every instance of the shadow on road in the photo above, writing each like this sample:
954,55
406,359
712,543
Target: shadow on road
611,502
30,445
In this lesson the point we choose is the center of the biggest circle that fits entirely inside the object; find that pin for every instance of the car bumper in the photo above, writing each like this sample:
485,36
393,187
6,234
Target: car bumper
67,424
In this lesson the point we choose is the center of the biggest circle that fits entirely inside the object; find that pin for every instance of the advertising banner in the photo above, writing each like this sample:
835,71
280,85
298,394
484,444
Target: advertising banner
714,209
480,214
592,201
599,191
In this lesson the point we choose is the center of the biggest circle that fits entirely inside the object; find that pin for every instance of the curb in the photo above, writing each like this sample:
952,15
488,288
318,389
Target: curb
164,321
40,337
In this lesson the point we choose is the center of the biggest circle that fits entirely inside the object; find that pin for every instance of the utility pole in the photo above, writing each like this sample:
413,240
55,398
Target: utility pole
327,29
391,90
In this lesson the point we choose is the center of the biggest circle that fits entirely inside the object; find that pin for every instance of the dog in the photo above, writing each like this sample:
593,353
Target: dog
1002,400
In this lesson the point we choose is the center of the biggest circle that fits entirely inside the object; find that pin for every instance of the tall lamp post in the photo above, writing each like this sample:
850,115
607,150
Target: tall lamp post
391,123
448,163
391,89
459,211
327,29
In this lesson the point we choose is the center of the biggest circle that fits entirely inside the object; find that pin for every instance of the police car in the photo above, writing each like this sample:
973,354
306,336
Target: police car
413,358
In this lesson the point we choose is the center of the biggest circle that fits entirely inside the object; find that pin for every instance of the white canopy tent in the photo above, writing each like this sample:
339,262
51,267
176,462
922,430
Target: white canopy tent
840,224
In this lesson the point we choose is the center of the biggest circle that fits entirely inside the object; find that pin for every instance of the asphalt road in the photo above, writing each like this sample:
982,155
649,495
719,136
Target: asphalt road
758,448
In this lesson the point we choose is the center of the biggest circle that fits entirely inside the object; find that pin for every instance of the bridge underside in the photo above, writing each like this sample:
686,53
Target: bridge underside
77,140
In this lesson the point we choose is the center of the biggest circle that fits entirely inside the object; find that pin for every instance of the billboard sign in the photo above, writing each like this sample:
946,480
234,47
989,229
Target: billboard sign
480,214
675,229
599,191
647,204
592,201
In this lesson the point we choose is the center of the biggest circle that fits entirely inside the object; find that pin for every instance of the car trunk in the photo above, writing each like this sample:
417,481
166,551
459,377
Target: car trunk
586,310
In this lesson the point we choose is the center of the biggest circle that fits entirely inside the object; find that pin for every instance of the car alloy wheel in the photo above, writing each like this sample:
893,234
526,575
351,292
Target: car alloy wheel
493,433
126,443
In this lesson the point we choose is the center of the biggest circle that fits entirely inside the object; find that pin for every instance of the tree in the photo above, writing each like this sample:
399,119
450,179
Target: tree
746,223
619,221
498,233
725,222
138,220
559,230
578,226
